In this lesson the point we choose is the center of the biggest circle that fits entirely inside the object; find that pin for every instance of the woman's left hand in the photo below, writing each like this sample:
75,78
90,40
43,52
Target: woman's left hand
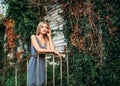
58,54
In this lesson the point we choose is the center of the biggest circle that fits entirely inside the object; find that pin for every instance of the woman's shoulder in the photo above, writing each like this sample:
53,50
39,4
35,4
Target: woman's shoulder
33,36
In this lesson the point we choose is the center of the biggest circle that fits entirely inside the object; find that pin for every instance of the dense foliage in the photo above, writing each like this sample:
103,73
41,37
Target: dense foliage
91,31
86,68
25,25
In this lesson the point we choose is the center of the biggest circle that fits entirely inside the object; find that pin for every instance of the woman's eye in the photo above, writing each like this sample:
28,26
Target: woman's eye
44,27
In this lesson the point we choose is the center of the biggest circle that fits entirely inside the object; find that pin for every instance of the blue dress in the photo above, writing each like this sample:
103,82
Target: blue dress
32,67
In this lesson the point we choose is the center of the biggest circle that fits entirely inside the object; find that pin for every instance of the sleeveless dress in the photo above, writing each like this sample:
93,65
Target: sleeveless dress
32,67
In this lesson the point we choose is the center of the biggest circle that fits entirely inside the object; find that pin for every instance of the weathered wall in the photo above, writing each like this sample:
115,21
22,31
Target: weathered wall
56,25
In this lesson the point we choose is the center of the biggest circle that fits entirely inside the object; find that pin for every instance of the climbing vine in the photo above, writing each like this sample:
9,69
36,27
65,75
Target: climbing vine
91,30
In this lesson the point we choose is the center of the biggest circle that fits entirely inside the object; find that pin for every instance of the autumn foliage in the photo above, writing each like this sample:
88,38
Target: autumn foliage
11,38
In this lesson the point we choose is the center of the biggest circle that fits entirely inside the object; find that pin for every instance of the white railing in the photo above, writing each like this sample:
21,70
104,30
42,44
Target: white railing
15,66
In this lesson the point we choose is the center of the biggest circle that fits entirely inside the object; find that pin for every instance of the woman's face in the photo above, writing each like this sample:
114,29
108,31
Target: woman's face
43,29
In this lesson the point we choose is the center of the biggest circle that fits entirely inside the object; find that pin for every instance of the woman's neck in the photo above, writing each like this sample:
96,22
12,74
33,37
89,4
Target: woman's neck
41,36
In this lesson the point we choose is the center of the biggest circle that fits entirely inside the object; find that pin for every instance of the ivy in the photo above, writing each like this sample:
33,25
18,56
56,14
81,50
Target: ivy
102,22
86,71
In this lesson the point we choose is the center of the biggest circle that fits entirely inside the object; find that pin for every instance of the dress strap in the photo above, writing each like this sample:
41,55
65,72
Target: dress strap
38,41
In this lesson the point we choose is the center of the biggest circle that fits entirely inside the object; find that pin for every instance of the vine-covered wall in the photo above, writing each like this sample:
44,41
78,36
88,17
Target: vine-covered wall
92,33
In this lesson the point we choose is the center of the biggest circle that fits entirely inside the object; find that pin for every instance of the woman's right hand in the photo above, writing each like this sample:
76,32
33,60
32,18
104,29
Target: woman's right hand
49,33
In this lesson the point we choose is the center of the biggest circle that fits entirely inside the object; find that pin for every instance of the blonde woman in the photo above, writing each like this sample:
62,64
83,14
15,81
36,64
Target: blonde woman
40,43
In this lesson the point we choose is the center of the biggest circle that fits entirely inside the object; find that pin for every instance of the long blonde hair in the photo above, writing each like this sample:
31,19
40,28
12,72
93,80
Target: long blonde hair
40,25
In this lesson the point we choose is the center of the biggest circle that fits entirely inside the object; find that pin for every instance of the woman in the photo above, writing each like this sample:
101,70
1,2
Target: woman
40,43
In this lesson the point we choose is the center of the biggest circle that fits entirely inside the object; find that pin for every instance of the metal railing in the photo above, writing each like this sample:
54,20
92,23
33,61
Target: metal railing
15,66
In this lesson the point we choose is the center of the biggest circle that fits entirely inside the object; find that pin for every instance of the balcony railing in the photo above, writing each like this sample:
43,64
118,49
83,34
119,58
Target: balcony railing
50,59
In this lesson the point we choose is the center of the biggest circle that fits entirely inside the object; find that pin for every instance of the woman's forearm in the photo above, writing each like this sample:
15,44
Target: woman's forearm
51,44
45,50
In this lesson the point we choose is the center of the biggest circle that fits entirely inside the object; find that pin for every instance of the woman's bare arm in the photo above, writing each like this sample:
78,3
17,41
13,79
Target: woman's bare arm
51,44
52,47
36,46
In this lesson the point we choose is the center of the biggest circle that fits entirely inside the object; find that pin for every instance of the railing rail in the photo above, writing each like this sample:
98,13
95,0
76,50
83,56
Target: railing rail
46,60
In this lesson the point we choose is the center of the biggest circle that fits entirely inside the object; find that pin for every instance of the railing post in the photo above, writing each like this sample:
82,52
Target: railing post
16,75
53,70
61,71
46,70
67,68
38,70
3,78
